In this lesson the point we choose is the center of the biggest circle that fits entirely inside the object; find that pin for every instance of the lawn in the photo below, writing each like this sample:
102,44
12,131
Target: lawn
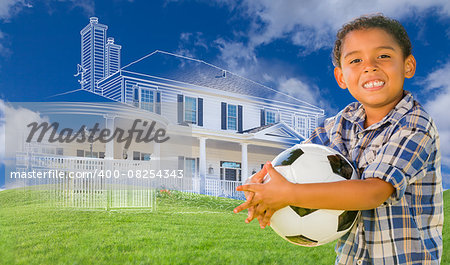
183,230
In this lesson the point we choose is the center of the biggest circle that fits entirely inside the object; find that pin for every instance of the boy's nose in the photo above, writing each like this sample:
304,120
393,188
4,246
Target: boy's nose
373,69
370,66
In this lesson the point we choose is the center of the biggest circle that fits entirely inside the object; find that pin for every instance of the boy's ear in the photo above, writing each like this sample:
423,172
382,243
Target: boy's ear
410,66
339,77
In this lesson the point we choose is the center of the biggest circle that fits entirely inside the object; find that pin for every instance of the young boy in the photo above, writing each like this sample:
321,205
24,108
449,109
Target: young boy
392,141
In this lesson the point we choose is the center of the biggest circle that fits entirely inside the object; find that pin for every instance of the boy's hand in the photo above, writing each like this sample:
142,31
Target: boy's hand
268,197
256,178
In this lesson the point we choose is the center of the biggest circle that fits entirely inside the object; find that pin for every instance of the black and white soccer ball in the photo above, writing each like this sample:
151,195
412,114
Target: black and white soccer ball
312,163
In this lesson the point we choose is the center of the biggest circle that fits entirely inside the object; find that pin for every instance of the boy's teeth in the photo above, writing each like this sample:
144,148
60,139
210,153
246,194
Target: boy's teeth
373,83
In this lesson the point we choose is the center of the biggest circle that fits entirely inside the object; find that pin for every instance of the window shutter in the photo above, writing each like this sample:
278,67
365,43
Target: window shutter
197,169
263,117
224,116
180,108
181,162
158,102
136,96
200,111
239,118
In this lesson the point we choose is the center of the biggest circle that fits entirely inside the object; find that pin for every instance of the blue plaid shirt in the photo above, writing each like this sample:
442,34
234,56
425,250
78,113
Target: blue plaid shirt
402,149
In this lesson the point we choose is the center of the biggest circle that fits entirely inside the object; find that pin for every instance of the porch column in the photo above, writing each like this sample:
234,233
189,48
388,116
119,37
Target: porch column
109,124
244,169
202,164
156,156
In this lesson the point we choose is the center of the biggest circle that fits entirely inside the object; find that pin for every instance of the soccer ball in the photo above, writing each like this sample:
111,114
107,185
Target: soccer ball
312,163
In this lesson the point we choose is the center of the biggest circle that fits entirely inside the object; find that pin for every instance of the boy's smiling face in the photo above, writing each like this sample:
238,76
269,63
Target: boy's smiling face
373,69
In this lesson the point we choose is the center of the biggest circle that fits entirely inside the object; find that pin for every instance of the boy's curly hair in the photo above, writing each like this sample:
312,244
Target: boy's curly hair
389,25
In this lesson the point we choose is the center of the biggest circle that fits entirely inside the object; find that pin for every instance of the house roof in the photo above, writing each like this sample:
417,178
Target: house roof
78,95
258,129
276,131
197,72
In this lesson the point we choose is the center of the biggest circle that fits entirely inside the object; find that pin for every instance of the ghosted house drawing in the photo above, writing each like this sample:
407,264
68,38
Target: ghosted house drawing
235,124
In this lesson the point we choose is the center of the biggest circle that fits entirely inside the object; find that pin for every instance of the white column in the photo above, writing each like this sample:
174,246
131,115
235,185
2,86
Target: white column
244,165
156,156
109,121
202,162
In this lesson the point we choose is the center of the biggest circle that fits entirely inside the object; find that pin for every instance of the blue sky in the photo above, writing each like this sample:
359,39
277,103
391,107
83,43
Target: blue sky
283,44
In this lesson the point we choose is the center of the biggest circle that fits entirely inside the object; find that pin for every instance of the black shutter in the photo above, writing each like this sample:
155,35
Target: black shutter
239,118
200,111
136,96
224,116
263,117
158,102
197,170
180,108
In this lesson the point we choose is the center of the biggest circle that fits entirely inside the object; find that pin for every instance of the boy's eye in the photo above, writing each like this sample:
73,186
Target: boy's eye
355,61
384,56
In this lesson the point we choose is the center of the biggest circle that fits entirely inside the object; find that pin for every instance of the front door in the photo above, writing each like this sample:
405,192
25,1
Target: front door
230,171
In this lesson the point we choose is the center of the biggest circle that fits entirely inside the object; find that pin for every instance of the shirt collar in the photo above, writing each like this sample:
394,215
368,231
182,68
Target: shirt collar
355,112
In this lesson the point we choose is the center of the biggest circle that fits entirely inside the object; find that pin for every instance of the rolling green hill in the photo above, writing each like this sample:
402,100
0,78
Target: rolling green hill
196,230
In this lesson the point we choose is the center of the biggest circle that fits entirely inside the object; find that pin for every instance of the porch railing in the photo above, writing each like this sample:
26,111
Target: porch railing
107,183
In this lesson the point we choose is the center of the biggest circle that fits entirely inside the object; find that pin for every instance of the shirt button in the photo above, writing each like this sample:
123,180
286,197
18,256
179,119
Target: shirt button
359,262
360,135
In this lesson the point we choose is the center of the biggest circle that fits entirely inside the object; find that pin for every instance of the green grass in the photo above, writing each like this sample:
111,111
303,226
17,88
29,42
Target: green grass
183,230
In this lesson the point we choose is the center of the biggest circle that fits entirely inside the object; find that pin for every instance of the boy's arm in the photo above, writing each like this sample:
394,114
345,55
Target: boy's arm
343,195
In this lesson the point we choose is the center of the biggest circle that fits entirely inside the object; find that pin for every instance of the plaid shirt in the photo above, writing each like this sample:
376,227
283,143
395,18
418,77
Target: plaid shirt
402,149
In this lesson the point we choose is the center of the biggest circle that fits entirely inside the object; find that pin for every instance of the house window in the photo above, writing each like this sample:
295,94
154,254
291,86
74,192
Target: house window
232,117
300,124
230,171
147,99
48,150
90,154
59,151
270,117
80,153
141,156
189,167
312,125
145,156
190,110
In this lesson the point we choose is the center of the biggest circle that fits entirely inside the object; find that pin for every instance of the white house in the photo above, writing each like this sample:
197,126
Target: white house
235,124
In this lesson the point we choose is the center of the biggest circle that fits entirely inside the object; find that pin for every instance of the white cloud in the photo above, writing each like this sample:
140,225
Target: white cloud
304,91
308,25
298,89
437,84
191,44
88,6
312,25
237,56
9,8
4,51
13,129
